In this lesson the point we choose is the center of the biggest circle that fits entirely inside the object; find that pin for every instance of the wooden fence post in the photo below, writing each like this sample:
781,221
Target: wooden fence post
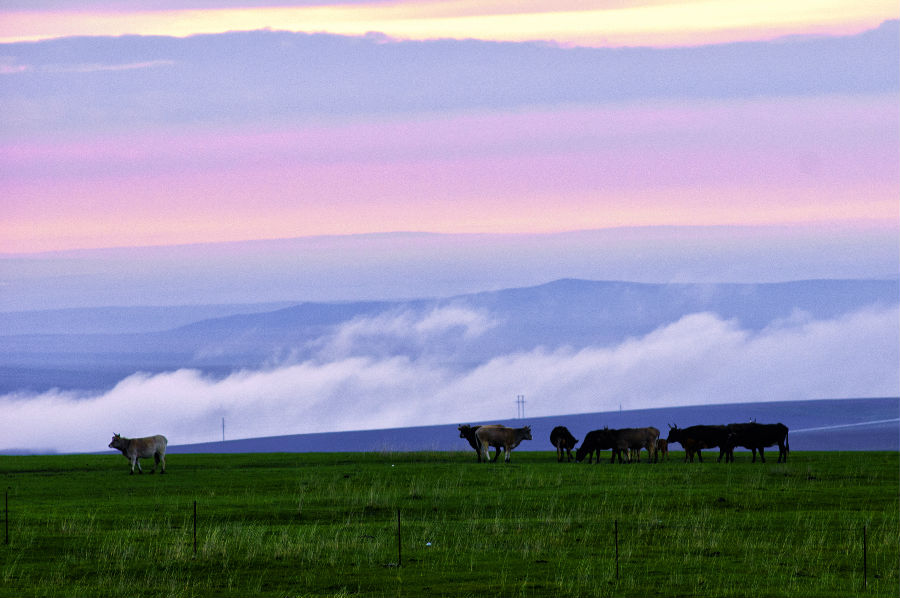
865,559
399,542
616,528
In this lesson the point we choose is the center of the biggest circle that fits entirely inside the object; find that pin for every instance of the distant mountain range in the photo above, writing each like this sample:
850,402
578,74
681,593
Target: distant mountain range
94,348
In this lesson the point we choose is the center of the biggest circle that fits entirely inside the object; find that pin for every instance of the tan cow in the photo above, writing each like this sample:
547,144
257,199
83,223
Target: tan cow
509,438
468,432
136,449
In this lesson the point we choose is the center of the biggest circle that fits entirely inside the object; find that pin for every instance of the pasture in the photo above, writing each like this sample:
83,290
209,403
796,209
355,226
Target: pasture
326,524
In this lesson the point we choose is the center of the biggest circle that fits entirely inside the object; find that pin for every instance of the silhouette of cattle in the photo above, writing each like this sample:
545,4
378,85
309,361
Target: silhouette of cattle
508,437
468,432
136,449
757,437
696,438
625,443
564,442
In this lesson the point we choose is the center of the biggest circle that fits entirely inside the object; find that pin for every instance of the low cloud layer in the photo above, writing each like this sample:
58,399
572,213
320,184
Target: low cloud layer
701,358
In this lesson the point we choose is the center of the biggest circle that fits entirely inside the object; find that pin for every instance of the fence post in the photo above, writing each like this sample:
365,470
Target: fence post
865,559
399,542
6,516
195,528
616,531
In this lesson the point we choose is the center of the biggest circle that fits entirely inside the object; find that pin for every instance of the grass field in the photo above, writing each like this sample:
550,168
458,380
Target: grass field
327,524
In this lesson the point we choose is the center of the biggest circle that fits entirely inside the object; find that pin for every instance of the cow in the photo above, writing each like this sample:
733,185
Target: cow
136,449
662,449
757,437
595,441
509,437
630,441
468,432
564,442
696,438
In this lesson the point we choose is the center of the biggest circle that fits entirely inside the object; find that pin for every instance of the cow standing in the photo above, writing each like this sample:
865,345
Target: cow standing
136,449
757,437
631,440
468,432
696,438
508,437
564,442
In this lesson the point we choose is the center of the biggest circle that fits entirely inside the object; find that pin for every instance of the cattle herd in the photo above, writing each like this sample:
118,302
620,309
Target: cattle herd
626,443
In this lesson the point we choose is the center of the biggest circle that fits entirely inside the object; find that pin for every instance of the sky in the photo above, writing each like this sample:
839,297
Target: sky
449,117
238,151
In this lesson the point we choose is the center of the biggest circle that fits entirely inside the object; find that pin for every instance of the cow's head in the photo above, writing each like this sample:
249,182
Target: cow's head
466,431
527,433
674,434
116,441
580,452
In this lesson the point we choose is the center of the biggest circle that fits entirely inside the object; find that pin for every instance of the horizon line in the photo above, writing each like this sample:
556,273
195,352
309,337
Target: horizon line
857,223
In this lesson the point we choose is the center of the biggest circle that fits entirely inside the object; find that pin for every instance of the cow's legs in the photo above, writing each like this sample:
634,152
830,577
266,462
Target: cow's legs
762,456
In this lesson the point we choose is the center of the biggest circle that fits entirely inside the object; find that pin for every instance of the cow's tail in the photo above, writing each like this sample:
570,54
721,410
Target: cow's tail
483,449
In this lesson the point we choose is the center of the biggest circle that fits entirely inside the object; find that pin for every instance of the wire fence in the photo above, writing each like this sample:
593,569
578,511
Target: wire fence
621,544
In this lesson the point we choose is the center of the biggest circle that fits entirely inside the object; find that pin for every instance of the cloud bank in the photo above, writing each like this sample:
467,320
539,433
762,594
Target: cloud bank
355,383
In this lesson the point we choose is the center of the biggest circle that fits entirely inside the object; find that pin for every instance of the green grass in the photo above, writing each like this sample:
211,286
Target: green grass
326,524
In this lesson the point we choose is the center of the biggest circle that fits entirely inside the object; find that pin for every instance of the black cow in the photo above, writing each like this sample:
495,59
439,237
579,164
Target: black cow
564,442
757,437
597,440
696,438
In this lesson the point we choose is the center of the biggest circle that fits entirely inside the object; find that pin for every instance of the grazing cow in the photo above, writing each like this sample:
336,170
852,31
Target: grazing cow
136,449
509,437
662,449
564,442
596,441
757,437
468,432
630,441
696,438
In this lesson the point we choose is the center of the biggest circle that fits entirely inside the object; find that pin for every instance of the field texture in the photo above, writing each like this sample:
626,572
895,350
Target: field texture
824,524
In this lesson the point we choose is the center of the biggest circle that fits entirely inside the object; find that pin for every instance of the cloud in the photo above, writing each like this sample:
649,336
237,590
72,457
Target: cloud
699,359
344,76
406,331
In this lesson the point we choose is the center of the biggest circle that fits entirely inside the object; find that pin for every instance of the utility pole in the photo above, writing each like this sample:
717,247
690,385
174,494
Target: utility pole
223,429
520,406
